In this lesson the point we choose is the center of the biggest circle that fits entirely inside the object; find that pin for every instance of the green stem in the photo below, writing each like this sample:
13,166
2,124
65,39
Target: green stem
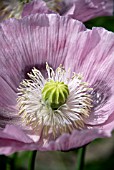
3,162
80,160
13,161
32,160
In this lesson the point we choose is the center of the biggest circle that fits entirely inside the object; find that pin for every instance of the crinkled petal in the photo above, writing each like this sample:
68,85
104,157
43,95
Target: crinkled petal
108,126
10,146
34,7
93,56
75,140
15,133
13,139
82,10
85,10
64,143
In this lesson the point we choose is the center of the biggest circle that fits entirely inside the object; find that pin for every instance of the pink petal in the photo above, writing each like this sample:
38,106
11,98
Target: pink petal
85,10
93,56
65,142
108,126
82,10
75,140
14,133
13,139
10,146
34,7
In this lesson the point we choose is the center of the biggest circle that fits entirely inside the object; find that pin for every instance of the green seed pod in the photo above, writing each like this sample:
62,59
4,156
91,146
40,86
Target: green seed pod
55,93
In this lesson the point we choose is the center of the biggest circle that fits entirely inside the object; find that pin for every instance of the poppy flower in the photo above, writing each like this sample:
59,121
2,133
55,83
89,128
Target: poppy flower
82,10
56,83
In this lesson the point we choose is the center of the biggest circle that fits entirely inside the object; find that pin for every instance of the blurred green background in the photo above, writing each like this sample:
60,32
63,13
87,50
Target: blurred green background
106,22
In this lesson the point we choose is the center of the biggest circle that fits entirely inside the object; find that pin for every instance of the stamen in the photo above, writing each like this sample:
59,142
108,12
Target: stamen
55,105
55,5
11,10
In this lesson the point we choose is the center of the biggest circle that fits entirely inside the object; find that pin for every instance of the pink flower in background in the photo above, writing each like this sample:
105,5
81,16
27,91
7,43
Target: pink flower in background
82,10
54,50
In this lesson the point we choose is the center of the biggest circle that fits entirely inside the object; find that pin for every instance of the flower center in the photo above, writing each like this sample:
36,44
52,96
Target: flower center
11,9
54,5
54,105
55,93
